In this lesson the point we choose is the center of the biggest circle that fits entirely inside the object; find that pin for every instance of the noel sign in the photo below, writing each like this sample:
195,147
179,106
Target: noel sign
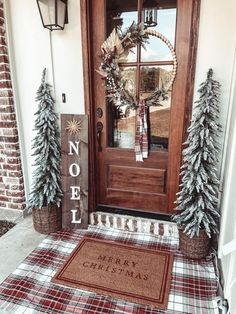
74,132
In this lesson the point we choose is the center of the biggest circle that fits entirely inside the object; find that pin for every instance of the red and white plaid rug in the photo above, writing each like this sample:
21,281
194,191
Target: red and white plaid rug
29,290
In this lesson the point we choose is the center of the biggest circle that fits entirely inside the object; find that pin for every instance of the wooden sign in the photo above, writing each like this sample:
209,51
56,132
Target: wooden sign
74,146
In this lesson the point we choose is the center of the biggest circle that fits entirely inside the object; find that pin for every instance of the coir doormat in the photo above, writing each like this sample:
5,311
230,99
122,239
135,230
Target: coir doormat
123,271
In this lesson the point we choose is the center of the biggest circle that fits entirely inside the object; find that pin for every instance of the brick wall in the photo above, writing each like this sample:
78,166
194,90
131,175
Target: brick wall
12,196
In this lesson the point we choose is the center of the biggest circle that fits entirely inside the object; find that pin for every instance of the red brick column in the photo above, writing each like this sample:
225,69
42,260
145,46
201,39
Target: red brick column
12,195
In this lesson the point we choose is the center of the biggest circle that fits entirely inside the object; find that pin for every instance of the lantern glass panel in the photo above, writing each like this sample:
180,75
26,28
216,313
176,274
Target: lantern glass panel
150,17
47,8
61,13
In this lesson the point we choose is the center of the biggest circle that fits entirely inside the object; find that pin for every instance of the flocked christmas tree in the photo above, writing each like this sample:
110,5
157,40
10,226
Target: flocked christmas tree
46,188
199,188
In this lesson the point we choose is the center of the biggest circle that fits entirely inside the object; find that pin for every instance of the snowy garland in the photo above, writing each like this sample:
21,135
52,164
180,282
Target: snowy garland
115,51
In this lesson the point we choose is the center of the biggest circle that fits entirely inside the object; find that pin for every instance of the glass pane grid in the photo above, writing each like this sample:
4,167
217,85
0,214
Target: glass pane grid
143,71
169,62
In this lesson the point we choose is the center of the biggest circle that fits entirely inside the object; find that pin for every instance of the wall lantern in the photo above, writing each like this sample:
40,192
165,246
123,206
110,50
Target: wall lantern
149,15
53,13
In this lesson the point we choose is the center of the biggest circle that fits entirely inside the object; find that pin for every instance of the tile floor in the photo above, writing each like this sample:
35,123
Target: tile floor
16,244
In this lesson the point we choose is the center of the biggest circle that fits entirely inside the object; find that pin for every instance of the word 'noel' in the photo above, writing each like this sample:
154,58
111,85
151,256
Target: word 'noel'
74,171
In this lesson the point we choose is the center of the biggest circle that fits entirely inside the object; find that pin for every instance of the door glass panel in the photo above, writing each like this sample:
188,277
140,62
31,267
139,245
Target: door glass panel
159,116
156,50
128,78
121,14
124,131
121,123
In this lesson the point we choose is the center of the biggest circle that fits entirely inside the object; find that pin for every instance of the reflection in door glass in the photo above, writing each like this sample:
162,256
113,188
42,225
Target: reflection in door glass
156,50
124,131
159,117
121,123
149,76
120,15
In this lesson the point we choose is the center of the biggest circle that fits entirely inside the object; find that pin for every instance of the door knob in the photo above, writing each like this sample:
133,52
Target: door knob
99,135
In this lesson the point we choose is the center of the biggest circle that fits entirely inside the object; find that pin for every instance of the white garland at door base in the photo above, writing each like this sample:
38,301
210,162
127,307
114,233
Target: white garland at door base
134,224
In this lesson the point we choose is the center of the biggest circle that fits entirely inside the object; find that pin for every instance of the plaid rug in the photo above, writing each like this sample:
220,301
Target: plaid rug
29,290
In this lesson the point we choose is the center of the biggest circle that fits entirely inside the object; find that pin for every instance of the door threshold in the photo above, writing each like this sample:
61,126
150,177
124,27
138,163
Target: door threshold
133,213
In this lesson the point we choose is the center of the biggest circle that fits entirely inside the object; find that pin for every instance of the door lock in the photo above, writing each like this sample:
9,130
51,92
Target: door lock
99,112
99,135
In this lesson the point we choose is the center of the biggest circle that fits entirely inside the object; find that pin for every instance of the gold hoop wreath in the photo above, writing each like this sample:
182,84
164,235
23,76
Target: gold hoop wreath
115,50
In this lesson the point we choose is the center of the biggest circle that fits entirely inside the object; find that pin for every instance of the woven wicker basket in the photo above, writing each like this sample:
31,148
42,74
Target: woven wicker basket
46,221
196,247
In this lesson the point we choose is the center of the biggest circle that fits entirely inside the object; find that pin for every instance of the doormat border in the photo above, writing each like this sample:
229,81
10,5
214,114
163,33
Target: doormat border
160,302
134,224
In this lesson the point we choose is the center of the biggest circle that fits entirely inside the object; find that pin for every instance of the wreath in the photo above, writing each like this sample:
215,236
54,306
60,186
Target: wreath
115,51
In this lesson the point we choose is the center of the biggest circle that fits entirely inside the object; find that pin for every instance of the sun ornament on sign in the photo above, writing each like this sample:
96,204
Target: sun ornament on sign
74,126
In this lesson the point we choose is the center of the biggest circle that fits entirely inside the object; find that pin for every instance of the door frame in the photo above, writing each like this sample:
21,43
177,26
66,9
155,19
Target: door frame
88,71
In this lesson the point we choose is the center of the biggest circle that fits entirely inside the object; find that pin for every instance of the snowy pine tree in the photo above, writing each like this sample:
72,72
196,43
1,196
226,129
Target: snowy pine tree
199,188
46,188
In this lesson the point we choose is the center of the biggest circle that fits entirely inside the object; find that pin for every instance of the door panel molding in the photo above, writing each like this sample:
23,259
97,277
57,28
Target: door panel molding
116,197
132,174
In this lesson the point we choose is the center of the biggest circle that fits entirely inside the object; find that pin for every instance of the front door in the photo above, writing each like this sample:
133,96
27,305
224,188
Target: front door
121,181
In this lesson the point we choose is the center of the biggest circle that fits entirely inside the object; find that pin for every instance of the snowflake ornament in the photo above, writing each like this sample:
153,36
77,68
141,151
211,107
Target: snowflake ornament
74,126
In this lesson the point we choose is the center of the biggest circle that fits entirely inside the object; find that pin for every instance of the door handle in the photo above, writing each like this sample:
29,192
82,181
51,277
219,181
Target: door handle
99,135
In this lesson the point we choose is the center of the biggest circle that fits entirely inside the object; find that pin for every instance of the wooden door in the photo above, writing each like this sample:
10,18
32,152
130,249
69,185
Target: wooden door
120,181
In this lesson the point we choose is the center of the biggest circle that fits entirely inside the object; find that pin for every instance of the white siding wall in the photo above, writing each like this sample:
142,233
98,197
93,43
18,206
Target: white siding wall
31,52
216,49
228,221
